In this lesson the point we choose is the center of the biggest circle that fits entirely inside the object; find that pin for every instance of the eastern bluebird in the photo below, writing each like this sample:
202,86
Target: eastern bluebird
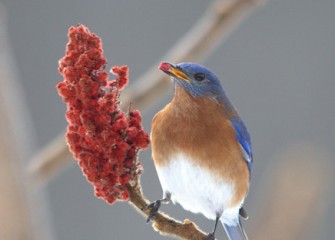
201,149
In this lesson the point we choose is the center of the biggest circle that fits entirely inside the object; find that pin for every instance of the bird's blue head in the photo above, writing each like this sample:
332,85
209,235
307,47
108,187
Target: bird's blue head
194,78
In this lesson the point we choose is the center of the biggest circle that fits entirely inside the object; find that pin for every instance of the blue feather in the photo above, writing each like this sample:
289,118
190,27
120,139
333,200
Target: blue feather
235,232
243,137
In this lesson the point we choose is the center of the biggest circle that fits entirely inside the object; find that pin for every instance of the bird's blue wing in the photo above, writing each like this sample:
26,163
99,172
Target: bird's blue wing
243,137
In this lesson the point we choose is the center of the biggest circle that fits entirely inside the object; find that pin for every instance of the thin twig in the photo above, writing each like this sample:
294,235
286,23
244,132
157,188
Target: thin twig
217,21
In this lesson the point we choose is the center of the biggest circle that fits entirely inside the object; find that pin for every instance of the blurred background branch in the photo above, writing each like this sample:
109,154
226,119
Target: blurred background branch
206,34
295,196
19,216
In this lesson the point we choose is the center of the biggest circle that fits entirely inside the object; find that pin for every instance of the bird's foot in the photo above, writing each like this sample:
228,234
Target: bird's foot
210,236
154,206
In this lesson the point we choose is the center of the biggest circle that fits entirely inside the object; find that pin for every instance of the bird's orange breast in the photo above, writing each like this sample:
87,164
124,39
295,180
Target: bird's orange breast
200,129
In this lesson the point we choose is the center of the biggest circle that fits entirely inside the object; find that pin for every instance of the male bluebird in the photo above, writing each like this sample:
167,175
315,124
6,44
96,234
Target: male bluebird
201,149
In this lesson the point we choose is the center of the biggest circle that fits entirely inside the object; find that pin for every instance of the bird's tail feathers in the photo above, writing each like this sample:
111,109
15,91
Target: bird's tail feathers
235,232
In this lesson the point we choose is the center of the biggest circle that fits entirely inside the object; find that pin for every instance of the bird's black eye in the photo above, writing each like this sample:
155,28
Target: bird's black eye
199,77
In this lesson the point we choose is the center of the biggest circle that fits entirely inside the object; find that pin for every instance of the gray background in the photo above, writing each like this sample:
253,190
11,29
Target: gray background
278,67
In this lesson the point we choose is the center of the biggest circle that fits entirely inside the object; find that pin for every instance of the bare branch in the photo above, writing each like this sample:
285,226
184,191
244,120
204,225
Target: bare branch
50,160
164,224
219,18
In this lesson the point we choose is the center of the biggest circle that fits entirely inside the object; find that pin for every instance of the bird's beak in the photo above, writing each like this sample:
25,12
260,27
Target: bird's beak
173,71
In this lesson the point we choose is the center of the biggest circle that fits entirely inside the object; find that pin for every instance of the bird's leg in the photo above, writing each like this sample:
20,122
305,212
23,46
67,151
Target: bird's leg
154,206
211,236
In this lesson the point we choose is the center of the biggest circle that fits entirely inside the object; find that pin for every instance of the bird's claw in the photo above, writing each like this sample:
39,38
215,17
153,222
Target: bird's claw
210,236
154,206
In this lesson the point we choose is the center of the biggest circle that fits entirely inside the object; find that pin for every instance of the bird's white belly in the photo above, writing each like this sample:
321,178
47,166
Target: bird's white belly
195,189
